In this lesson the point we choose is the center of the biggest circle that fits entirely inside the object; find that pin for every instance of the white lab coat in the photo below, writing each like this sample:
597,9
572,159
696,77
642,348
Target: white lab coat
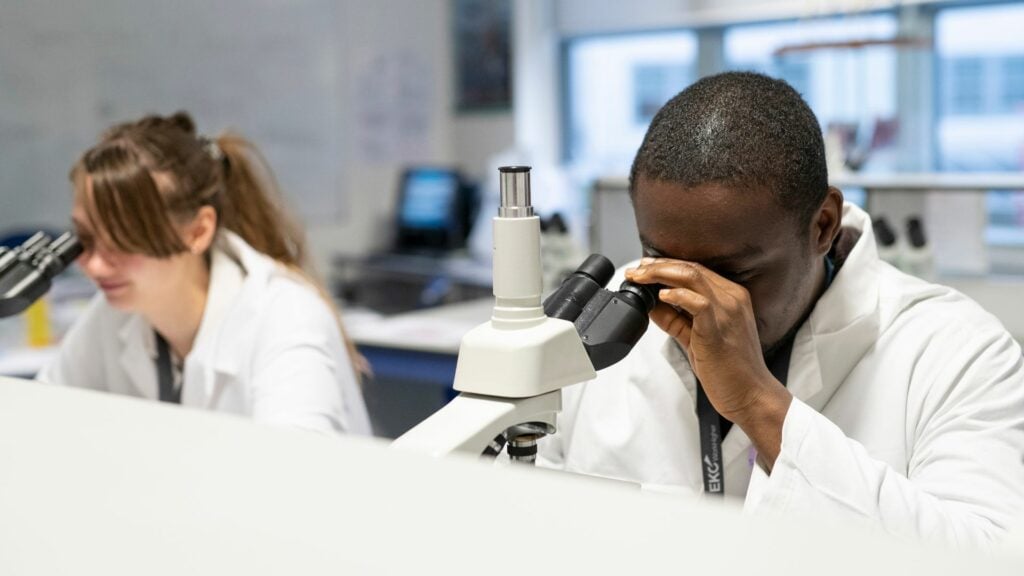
268,348
908,414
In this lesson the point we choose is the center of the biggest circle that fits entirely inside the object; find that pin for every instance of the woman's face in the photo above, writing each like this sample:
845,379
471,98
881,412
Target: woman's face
130,282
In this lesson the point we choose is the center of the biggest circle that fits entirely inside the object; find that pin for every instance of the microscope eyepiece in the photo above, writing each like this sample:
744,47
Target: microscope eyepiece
609,323
66,248
570,299
642,296
598,268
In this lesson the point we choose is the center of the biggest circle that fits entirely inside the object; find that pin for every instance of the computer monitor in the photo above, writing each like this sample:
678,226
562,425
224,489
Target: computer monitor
431,210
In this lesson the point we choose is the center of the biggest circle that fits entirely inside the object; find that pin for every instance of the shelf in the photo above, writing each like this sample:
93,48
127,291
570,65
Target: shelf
919,181
928,181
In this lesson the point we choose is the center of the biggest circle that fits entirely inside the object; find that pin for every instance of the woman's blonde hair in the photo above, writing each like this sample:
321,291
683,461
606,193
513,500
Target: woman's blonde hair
151,174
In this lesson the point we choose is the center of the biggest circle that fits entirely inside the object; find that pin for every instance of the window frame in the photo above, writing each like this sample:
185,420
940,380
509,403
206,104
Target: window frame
710,59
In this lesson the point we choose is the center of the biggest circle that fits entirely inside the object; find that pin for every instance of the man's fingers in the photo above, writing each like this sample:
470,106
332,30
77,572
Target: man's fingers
673,273
684,298
674,323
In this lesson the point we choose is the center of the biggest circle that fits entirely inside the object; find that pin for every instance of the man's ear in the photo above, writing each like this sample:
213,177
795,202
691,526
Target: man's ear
200,232
827,221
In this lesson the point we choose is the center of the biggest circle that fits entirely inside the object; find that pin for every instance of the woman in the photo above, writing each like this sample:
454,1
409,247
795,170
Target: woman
205,297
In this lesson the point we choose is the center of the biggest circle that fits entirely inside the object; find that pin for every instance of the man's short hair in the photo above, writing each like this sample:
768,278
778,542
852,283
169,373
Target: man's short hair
740,129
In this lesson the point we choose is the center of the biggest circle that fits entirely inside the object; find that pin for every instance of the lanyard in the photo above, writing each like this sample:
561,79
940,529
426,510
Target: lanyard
164,373
713,427
710,444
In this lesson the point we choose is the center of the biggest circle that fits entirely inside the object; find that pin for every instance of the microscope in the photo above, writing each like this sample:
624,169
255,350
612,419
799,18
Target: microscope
26,270
510,370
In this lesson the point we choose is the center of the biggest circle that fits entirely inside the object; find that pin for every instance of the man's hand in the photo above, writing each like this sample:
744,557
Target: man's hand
713,321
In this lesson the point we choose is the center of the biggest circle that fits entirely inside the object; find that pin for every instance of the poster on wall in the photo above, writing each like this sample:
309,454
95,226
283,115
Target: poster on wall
483,66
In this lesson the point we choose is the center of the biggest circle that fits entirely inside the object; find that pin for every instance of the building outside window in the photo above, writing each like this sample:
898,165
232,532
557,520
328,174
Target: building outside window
846,71
847,79
615,85
980,104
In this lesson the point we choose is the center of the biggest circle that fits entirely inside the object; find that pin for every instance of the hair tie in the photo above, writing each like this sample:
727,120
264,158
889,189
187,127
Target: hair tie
215,152
212,148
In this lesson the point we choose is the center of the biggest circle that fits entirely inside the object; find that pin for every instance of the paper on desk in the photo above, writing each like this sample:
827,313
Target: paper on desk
428,334
24,362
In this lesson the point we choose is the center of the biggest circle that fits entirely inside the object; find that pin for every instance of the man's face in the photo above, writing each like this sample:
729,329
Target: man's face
743,235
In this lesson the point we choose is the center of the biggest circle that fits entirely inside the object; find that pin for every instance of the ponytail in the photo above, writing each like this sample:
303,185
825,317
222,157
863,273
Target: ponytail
252,208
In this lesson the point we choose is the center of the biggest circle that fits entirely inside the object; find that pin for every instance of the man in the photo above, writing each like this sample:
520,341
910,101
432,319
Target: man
789,365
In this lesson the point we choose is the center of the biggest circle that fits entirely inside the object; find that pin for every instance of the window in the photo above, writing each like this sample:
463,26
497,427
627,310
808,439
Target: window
615,86
1013,84
654,85
836,64
980,115
964,88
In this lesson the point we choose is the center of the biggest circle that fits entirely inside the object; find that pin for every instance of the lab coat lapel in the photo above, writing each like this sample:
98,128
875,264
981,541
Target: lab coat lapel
213,361
138,355
735,442
844,323
841,329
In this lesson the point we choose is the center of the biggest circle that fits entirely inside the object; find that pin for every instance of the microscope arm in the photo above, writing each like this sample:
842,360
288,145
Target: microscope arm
469,422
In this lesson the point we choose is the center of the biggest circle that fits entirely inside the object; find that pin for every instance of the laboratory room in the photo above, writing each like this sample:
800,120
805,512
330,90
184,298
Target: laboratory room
496,286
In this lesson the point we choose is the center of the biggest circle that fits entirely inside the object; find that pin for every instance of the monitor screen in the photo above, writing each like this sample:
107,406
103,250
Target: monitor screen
428,199
430,210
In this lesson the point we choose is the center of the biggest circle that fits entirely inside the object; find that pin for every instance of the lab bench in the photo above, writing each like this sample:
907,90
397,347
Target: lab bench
412,357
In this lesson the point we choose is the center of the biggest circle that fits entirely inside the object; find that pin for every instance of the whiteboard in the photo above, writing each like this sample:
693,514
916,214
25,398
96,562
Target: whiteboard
269,69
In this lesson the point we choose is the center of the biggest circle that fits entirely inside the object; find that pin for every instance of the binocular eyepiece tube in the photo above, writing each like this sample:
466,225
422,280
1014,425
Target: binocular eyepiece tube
26,270
609,323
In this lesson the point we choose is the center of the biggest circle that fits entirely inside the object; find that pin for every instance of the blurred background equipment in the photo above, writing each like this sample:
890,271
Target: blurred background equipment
426,264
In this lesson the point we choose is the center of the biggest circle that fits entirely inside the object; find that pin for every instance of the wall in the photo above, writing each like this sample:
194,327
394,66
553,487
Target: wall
392,31
339,95
387,47
68,70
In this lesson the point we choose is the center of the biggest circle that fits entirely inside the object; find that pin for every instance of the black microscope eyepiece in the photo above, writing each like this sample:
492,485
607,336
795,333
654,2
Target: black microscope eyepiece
643,296
609,323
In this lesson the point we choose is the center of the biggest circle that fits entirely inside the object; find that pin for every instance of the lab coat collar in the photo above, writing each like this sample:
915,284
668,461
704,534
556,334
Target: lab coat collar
243,302
242,299
234,265
227,277
138,343
844,323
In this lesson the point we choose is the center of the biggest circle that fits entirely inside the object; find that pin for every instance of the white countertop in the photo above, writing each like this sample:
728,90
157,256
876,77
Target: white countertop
437,330
99,483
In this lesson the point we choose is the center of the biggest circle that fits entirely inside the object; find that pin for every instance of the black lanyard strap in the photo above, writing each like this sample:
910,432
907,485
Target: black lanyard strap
710,444
165,374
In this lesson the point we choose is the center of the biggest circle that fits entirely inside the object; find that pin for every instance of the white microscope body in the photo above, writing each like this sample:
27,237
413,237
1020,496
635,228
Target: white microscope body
510,370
